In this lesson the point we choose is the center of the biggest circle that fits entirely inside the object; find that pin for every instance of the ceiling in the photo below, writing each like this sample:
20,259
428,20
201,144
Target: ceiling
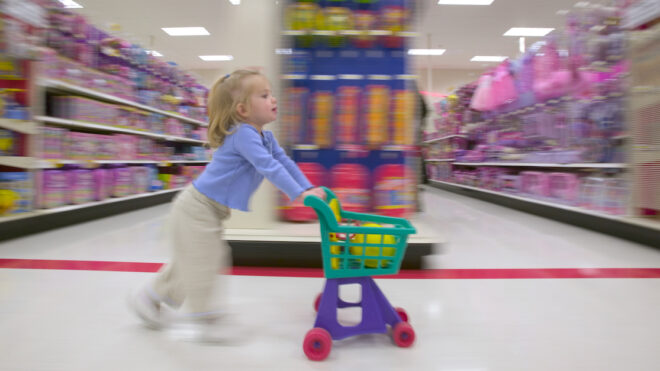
250,31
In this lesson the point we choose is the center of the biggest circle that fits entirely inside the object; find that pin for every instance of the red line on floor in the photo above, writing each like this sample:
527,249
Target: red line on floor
524,273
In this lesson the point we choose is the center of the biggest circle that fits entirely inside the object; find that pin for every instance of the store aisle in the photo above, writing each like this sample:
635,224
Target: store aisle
63,319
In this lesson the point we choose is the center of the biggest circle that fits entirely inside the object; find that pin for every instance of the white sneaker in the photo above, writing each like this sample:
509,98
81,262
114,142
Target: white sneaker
147,308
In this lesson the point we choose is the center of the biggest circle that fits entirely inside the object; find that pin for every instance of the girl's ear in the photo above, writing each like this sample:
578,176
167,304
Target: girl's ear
242,110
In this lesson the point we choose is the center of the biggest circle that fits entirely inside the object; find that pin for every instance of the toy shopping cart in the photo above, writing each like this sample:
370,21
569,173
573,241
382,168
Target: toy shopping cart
354,248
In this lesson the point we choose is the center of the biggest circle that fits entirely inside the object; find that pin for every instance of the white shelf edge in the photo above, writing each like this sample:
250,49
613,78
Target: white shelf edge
621,218
88,125
444,138
547,165
439,160
56,84
21,126
56,210
20,162
42,163
531,200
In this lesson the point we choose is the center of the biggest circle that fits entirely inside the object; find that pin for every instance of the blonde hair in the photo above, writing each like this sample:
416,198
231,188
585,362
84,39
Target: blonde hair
225,96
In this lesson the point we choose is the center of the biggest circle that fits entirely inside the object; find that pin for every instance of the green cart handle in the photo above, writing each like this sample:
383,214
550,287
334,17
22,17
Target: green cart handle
402,226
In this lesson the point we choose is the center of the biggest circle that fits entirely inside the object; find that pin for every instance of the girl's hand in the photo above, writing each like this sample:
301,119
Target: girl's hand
318,192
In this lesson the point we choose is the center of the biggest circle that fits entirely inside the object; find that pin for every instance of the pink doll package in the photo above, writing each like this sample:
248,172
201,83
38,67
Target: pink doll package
53,187
534,183
564,187
123,181
592,190
127,146
81,186
53,142
615,196
140,179
101,189
508,183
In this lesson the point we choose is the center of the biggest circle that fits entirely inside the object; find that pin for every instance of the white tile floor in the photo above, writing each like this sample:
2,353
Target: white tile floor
78,320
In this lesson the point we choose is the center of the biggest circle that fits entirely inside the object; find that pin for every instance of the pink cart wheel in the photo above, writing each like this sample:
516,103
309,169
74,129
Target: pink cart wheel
403,335
317,344
317,302
402,313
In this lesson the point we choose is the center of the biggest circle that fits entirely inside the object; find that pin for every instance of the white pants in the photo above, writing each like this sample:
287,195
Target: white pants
199,253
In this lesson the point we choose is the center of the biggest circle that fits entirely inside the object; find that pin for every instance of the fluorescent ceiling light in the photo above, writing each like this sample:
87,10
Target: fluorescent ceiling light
215,58
235,2
521,44
563,12
426,51
581,4
70,4
465,2
186,31
488,58
154,53
283,51
526,31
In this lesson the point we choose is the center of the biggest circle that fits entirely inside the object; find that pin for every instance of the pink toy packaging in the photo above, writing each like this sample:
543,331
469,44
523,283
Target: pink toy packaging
564,188
123,181
80,146
615,196
53,142
101,189
140,179
127,146
53,186
509,184
534,183
592,190
81,186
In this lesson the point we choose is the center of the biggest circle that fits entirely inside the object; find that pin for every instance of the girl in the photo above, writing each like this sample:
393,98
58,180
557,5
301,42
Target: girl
239,105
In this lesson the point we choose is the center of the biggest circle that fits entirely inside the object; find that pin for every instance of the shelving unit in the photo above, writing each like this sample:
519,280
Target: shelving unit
439,160
18,225
444,138
112,129
56,85
635,229
546,165
24,162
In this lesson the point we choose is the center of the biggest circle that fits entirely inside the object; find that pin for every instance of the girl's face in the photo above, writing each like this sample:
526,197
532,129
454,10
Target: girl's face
262,105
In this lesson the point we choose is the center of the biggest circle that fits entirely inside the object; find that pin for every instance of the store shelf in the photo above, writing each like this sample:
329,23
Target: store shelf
67,87
439,160
39,163
20,162
546,165
114,129
527,199
107,201
20,126
18,225
444,138
640,230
